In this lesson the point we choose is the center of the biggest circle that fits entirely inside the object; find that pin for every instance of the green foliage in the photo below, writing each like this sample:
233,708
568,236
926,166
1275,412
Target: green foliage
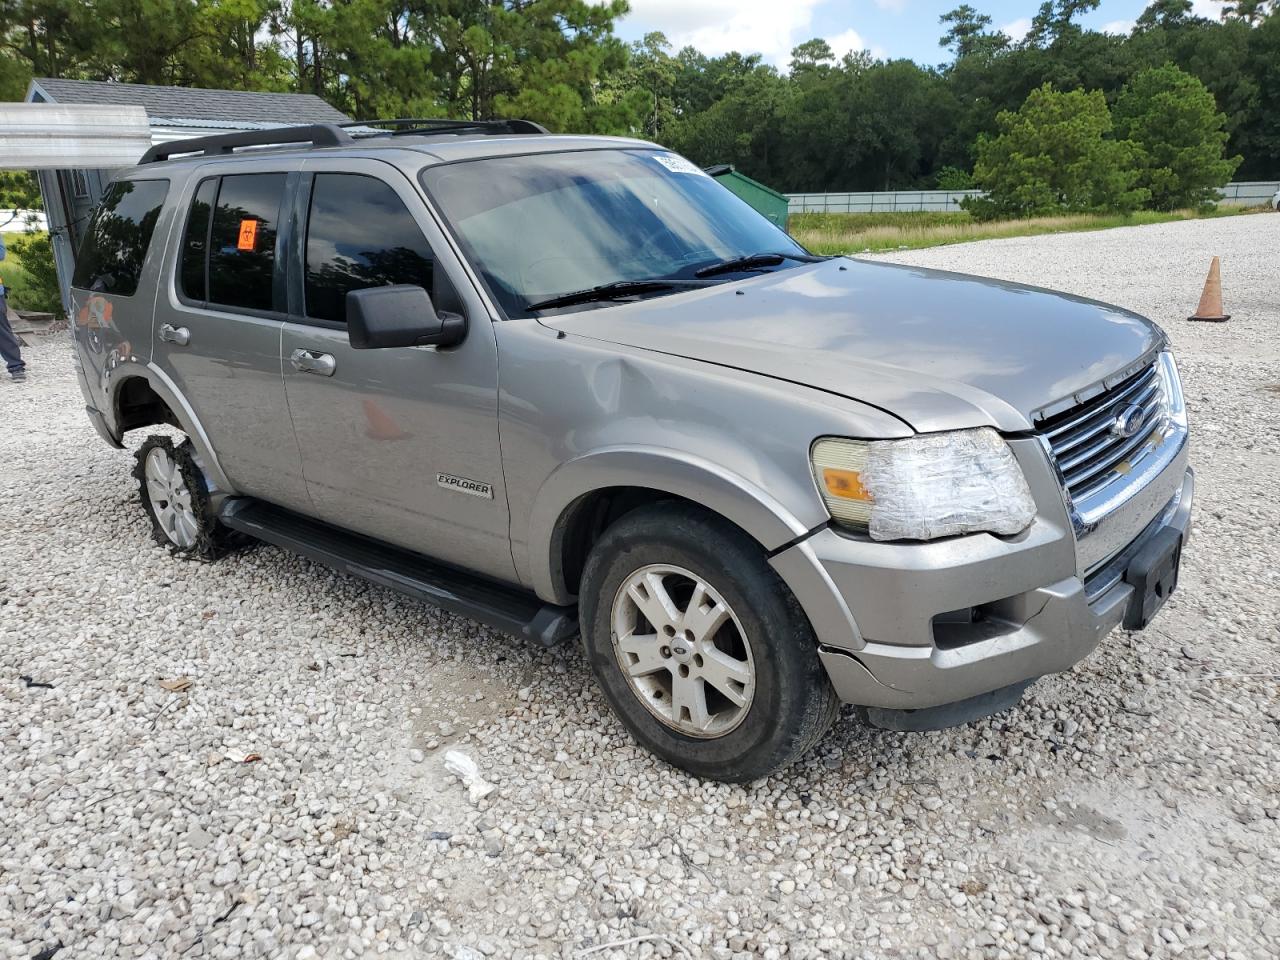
1178,135
1055,155
18,191
828,123
839,233
953,178
29,273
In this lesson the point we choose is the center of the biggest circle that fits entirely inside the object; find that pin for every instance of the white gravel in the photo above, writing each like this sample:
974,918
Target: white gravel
1127,809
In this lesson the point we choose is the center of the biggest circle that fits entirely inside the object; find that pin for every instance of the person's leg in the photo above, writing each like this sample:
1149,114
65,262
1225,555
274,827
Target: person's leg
9,349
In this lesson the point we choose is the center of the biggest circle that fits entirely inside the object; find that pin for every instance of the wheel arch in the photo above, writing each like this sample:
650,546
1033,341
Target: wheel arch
147,397
585,494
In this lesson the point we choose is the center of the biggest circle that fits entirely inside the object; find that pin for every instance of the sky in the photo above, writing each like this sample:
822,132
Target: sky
888,28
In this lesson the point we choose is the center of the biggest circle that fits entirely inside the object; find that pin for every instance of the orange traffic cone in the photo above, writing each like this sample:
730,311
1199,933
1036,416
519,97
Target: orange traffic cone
1211,300
379,425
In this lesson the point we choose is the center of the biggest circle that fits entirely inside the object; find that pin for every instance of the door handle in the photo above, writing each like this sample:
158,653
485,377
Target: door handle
308,361
179,335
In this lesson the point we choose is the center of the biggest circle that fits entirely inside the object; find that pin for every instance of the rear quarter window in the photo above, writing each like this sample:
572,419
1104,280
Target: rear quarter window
115,245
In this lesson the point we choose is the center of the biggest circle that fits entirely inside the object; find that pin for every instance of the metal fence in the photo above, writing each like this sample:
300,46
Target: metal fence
1251,193
886,201
1246,194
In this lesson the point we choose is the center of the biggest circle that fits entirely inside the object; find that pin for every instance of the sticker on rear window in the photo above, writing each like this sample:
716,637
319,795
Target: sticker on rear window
678,164
248,234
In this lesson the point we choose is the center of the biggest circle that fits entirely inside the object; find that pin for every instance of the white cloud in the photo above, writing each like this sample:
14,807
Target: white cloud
1121,28
894,5
768,27
1017,30
1210,9
850,41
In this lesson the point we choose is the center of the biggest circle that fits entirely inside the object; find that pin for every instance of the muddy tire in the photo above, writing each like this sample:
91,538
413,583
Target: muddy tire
700,648
175,498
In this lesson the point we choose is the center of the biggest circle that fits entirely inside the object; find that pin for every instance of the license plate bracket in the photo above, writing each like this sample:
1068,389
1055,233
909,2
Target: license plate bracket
1153,574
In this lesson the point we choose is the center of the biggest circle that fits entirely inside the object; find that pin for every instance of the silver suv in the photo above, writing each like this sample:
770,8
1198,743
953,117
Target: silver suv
571,385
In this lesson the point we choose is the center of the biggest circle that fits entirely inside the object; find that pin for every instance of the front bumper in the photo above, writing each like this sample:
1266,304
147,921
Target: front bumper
930,632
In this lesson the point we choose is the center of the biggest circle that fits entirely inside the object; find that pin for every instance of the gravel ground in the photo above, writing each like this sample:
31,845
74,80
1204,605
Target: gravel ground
1127,809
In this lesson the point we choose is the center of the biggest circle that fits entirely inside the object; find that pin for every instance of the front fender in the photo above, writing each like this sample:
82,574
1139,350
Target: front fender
733,497
654,468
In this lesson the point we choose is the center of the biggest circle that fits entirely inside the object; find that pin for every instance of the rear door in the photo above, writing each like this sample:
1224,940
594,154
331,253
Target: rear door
399,444
218,323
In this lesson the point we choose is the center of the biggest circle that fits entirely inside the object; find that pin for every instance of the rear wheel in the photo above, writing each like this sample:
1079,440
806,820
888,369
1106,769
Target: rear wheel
699,647
176,498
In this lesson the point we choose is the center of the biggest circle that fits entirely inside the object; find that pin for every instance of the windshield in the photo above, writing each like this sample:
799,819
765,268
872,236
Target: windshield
540,226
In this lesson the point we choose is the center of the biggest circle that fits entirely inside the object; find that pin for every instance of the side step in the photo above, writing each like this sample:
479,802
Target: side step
502,607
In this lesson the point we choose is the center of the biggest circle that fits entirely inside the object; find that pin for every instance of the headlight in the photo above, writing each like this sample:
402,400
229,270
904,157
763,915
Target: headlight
924,487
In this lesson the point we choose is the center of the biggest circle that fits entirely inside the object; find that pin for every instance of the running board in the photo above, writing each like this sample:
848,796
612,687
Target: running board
502,607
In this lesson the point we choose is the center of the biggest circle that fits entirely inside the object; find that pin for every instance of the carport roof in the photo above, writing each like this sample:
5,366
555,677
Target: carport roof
188,103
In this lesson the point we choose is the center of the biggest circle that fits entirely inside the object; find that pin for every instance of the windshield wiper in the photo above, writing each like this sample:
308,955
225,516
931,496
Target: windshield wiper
607,291
754,261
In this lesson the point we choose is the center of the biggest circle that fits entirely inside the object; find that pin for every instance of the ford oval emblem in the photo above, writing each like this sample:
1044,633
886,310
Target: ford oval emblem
1128,421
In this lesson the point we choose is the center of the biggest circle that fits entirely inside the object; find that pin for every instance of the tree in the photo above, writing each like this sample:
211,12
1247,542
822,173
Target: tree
967,33
1054,155
18,191
1178,135
1250,11
1056,20
38,288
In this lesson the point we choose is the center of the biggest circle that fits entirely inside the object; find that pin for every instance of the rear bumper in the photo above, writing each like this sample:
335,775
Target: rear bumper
95,415
1031,632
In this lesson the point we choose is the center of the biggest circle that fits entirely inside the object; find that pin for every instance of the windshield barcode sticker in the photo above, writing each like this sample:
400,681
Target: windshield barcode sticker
678,164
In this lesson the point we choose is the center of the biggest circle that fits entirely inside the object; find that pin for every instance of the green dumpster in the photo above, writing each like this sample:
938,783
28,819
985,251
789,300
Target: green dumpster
764,199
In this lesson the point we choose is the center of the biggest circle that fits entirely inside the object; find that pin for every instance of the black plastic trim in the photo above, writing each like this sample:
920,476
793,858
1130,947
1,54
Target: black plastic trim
316,134
503,607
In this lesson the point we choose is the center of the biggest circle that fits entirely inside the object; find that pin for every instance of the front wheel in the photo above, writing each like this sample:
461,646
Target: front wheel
699,646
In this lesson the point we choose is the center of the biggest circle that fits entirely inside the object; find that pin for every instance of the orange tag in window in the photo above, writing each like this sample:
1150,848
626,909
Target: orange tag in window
248,234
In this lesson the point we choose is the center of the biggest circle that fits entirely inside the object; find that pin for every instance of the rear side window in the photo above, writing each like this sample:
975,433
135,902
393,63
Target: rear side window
116,243
360,234
193,277
242,242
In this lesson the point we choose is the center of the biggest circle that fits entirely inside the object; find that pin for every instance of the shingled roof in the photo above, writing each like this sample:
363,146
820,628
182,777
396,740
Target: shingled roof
188,103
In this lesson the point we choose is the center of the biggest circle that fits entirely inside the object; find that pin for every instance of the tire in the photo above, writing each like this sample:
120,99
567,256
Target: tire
765,699
176,499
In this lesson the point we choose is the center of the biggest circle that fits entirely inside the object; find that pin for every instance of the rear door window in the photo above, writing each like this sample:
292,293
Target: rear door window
242,241
115,245
360,234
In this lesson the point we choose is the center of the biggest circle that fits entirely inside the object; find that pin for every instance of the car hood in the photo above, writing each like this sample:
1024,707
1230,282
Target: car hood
938,350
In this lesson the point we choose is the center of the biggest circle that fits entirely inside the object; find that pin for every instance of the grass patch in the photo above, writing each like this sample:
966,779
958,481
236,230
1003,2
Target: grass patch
834,233
11,269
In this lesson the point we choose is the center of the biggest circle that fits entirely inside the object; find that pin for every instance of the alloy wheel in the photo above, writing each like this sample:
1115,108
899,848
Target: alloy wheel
683,650
171,499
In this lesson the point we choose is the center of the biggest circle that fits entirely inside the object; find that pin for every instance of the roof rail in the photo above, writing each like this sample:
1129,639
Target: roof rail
417,126
316,134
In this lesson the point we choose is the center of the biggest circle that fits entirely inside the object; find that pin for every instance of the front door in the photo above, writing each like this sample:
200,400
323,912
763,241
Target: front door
399,444
218,321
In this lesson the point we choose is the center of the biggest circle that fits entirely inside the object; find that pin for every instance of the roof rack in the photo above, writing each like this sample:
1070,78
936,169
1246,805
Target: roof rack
316,134
333,135
418,126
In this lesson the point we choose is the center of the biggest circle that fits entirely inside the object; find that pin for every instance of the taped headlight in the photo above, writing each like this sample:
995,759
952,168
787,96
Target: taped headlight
924,487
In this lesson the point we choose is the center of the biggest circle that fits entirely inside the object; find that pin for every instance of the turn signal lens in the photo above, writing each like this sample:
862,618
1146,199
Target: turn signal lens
838,467
846,484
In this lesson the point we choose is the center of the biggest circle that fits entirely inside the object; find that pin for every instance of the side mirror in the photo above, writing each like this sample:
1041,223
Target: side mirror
400,315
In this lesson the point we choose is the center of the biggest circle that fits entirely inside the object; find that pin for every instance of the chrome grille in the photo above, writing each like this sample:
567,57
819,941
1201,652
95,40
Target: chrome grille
1089,453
